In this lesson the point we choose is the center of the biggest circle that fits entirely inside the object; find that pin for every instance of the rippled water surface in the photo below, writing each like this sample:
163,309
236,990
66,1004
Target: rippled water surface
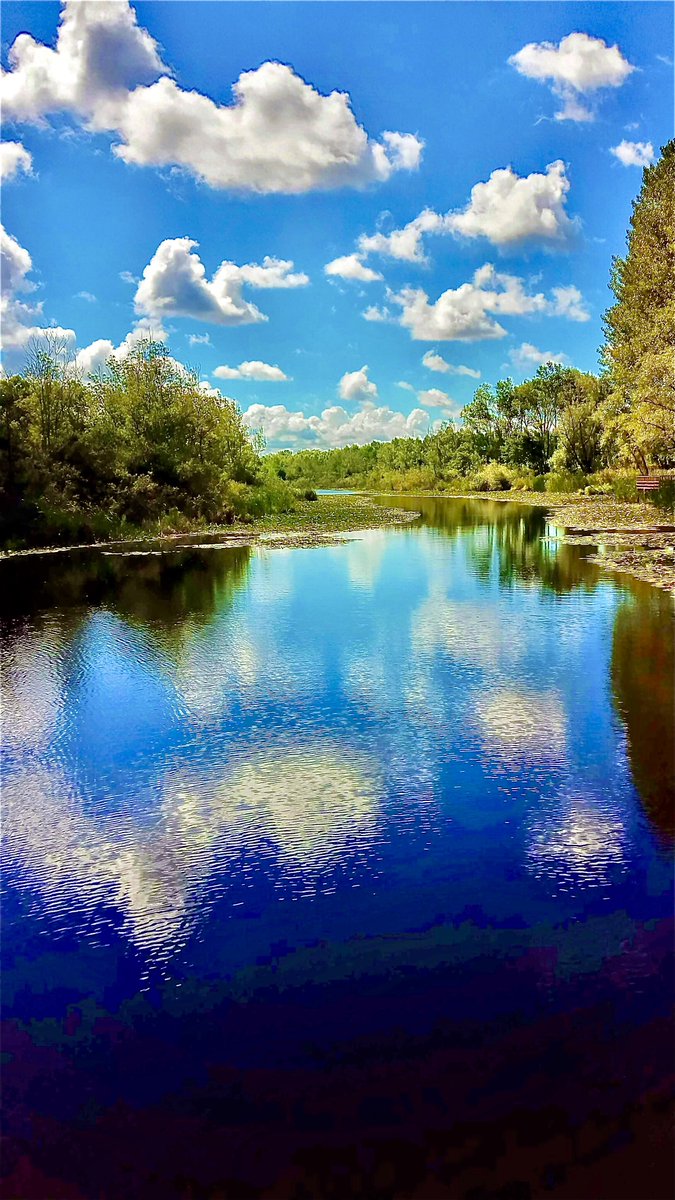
339,871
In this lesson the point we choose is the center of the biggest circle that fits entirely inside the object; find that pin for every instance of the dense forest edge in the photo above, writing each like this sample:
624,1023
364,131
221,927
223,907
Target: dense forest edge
143,447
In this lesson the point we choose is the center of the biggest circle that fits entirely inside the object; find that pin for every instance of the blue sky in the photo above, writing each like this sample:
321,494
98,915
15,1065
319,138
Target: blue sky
551,128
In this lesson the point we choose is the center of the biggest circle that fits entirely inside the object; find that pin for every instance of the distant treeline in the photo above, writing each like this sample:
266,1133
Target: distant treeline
562,429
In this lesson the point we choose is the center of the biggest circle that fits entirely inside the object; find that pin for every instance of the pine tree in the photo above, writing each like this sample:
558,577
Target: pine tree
640,327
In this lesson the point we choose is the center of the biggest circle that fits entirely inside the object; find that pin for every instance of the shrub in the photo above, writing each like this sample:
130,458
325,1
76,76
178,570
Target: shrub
493,477
539,483
564,481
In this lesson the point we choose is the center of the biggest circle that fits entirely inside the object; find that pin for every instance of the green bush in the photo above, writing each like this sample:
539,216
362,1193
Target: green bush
564,481
493,477
539,483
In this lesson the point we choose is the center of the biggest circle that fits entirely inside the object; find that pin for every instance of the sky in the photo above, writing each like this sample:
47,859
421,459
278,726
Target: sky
343,215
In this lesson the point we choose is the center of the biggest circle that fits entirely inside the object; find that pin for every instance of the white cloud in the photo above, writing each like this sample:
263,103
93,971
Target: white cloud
355,385
93,358
634,154
174,284
509,208
19,320
578,66
506,209
199,339
252,370
407,387
14,158
435,398
334,426
436,362
526,356
404,244
467,313
351,266
373,313
568,302
279,135
127,277
88,296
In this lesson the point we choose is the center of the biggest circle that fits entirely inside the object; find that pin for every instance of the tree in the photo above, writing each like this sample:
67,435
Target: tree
640,327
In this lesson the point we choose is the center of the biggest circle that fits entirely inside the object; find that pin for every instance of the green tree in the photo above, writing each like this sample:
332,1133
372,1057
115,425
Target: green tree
640,327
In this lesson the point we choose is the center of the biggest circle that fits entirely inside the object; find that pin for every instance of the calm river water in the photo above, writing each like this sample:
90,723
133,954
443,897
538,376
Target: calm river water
338,872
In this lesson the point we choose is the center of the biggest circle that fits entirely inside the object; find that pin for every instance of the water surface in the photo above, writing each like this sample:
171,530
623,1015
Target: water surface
340,871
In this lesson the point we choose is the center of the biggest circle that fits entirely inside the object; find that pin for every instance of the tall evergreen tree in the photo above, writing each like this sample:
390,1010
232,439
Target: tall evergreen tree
640,327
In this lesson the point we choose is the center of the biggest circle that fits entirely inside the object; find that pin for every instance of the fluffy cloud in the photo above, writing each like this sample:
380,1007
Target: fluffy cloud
252,370
174,284
507,209
404,244
435,398
355,385
526,356
467,313
436,362
351,266
279,134
199,339
14,158
334,426
568,302
578,66
634,154
20,321
510,208
93,358
373,313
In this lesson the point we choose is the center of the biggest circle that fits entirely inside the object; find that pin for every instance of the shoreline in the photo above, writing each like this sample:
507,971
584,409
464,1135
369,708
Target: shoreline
311,524
629,538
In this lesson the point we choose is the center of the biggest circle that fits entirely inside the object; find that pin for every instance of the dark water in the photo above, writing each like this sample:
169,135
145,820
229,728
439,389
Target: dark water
338,872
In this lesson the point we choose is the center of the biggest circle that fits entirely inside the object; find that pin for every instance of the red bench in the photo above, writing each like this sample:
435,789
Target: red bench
647,483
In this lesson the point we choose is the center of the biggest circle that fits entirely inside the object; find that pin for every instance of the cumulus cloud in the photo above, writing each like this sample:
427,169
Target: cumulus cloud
634,154
527,356
435,398
568,302
252,370
467,313
14,158
199,339
280,134
355,385
436,362
507,209
174,284
578,66
93,358
404,244
334,426
351,266
21,321
375,313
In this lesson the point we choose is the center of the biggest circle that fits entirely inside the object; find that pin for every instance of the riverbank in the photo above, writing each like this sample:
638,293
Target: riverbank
631,538
311,523
637,539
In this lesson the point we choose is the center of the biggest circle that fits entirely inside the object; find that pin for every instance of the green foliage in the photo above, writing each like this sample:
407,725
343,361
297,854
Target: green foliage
640,326
493,477
142,444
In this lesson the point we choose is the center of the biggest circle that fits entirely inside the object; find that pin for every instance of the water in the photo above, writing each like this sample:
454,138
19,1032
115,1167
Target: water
340,871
